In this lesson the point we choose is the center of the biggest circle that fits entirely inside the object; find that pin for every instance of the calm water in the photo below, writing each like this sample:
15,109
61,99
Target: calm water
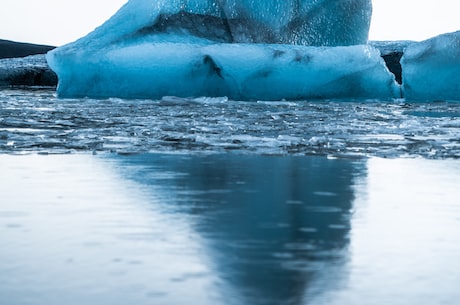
211,201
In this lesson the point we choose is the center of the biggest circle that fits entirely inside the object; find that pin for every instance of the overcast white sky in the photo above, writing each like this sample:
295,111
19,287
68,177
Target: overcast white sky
57,22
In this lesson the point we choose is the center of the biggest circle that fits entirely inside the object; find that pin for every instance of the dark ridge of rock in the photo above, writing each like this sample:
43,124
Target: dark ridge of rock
12,49
391,52
28,71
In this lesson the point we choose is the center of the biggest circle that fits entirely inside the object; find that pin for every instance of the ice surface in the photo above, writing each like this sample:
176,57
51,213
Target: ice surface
238,71
431,69
196,48
306,22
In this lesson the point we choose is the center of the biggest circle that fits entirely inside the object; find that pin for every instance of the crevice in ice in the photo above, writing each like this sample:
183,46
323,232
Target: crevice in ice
392,52
213,67
393,63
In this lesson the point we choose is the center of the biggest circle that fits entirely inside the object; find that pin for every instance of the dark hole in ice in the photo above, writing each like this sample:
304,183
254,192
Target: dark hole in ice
393,63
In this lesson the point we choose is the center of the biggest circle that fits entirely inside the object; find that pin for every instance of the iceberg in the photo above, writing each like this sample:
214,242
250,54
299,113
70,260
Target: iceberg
242,49
431,69
238,71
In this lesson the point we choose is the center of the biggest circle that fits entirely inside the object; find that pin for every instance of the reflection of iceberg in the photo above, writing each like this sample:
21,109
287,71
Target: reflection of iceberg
80,235
196,48
431,69
269,224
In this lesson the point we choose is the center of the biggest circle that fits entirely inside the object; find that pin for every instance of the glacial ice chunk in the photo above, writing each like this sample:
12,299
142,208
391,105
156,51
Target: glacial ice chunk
244,49
304,22
431,69
238,71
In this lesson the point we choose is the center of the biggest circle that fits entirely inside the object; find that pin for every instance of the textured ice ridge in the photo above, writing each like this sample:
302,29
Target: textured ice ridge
243,49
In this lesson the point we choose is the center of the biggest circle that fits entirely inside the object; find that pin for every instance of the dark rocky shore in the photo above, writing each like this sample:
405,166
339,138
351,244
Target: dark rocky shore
24,64
12,49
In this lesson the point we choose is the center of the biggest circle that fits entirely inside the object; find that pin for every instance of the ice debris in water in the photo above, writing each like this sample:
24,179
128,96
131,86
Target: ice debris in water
37,121
207,48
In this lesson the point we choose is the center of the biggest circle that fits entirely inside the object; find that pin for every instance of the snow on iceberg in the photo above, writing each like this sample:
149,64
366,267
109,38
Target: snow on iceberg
431,69
243,49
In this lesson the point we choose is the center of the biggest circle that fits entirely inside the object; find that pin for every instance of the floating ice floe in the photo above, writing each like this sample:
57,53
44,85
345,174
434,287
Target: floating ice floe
239,71
431,69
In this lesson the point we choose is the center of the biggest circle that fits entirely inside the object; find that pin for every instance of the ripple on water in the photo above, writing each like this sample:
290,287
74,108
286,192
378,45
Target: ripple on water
34,121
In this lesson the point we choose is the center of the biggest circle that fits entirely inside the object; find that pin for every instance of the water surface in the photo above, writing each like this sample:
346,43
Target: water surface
32,121
228,229
214,201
